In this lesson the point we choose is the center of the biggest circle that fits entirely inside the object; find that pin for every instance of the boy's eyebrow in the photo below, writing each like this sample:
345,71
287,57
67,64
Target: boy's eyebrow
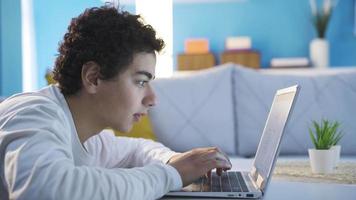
149,75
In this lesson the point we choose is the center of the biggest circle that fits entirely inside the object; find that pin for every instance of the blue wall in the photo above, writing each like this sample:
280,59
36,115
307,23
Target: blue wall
10,49
0,48
278,28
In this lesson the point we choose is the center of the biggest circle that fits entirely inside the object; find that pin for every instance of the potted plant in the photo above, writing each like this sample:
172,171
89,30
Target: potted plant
324,137
319,47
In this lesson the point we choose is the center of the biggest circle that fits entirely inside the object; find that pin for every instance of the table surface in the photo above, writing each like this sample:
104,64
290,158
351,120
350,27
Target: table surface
279,189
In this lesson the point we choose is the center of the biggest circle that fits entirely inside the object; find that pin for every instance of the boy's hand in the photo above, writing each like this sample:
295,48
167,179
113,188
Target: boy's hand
196,163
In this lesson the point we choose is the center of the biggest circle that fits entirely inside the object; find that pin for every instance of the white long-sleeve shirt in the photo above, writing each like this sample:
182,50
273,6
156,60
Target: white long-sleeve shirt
41,156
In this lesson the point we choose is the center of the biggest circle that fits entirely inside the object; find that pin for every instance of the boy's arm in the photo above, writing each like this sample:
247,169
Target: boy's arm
113,151
131,152
37,163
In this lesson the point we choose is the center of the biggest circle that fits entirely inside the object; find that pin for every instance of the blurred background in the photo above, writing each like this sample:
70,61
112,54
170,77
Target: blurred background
31,30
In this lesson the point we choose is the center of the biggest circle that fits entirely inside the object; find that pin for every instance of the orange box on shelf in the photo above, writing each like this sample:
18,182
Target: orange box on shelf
196,46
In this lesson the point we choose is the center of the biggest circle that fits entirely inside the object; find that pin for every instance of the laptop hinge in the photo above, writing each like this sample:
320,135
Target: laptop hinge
260,181
253,173
257,178
253,181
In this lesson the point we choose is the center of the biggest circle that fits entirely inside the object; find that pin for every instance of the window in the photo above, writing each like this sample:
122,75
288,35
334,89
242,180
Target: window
162,22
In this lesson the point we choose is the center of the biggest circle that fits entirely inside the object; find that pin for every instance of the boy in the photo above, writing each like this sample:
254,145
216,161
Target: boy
51,141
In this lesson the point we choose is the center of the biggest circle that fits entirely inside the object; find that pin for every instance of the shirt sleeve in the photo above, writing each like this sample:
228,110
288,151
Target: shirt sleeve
37,163
112,151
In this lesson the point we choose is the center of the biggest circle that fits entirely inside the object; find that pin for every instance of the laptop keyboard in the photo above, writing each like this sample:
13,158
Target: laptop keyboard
227,182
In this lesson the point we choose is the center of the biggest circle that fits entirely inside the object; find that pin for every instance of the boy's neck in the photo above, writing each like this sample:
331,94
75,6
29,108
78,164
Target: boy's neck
84,117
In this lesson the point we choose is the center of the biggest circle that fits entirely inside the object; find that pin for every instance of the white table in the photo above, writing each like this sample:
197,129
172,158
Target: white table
303,191
296,190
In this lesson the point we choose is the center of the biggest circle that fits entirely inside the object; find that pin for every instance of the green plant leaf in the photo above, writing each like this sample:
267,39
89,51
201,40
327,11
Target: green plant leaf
313,138
326,134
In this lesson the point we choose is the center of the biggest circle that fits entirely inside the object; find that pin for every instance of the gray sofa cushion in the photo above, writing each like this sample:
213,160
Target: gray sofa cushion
322,96
195,110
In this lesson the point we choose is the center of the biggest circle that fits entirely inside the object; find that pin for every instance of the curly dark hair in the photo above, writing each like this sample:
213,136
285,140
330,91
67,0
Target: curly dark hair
107,36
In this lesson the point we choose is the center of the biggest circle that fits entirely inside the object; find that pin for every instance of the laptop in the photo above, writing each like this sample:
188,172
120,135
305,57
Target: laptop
250,184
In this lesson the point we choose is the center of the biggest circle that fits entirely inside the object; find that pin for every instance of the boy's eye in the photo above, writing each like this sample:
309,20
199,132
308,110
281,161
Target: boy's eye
142,83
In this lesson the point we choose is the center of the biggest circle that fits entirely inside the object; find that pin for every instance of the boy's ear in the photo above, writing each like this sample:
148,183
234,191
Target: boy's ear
90,76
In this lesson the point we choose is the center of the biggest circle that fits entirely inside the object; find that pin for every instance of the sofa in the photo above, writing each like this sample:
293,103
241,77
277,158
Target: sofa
227,106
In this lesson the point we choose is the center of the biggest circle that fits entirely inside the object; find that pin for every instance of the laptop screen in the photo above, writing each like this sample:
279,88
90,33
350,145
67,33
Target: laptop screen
272,133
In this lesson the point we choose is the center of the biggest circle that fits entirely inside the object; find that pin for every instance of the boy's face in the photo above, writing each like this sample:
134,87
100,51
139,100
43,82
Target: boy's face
126,98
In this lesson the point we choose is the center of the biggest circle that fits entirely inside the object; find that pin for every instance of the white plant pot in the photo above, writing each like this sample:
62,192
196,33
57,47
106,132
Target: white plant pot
322,161
337,150
319,53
